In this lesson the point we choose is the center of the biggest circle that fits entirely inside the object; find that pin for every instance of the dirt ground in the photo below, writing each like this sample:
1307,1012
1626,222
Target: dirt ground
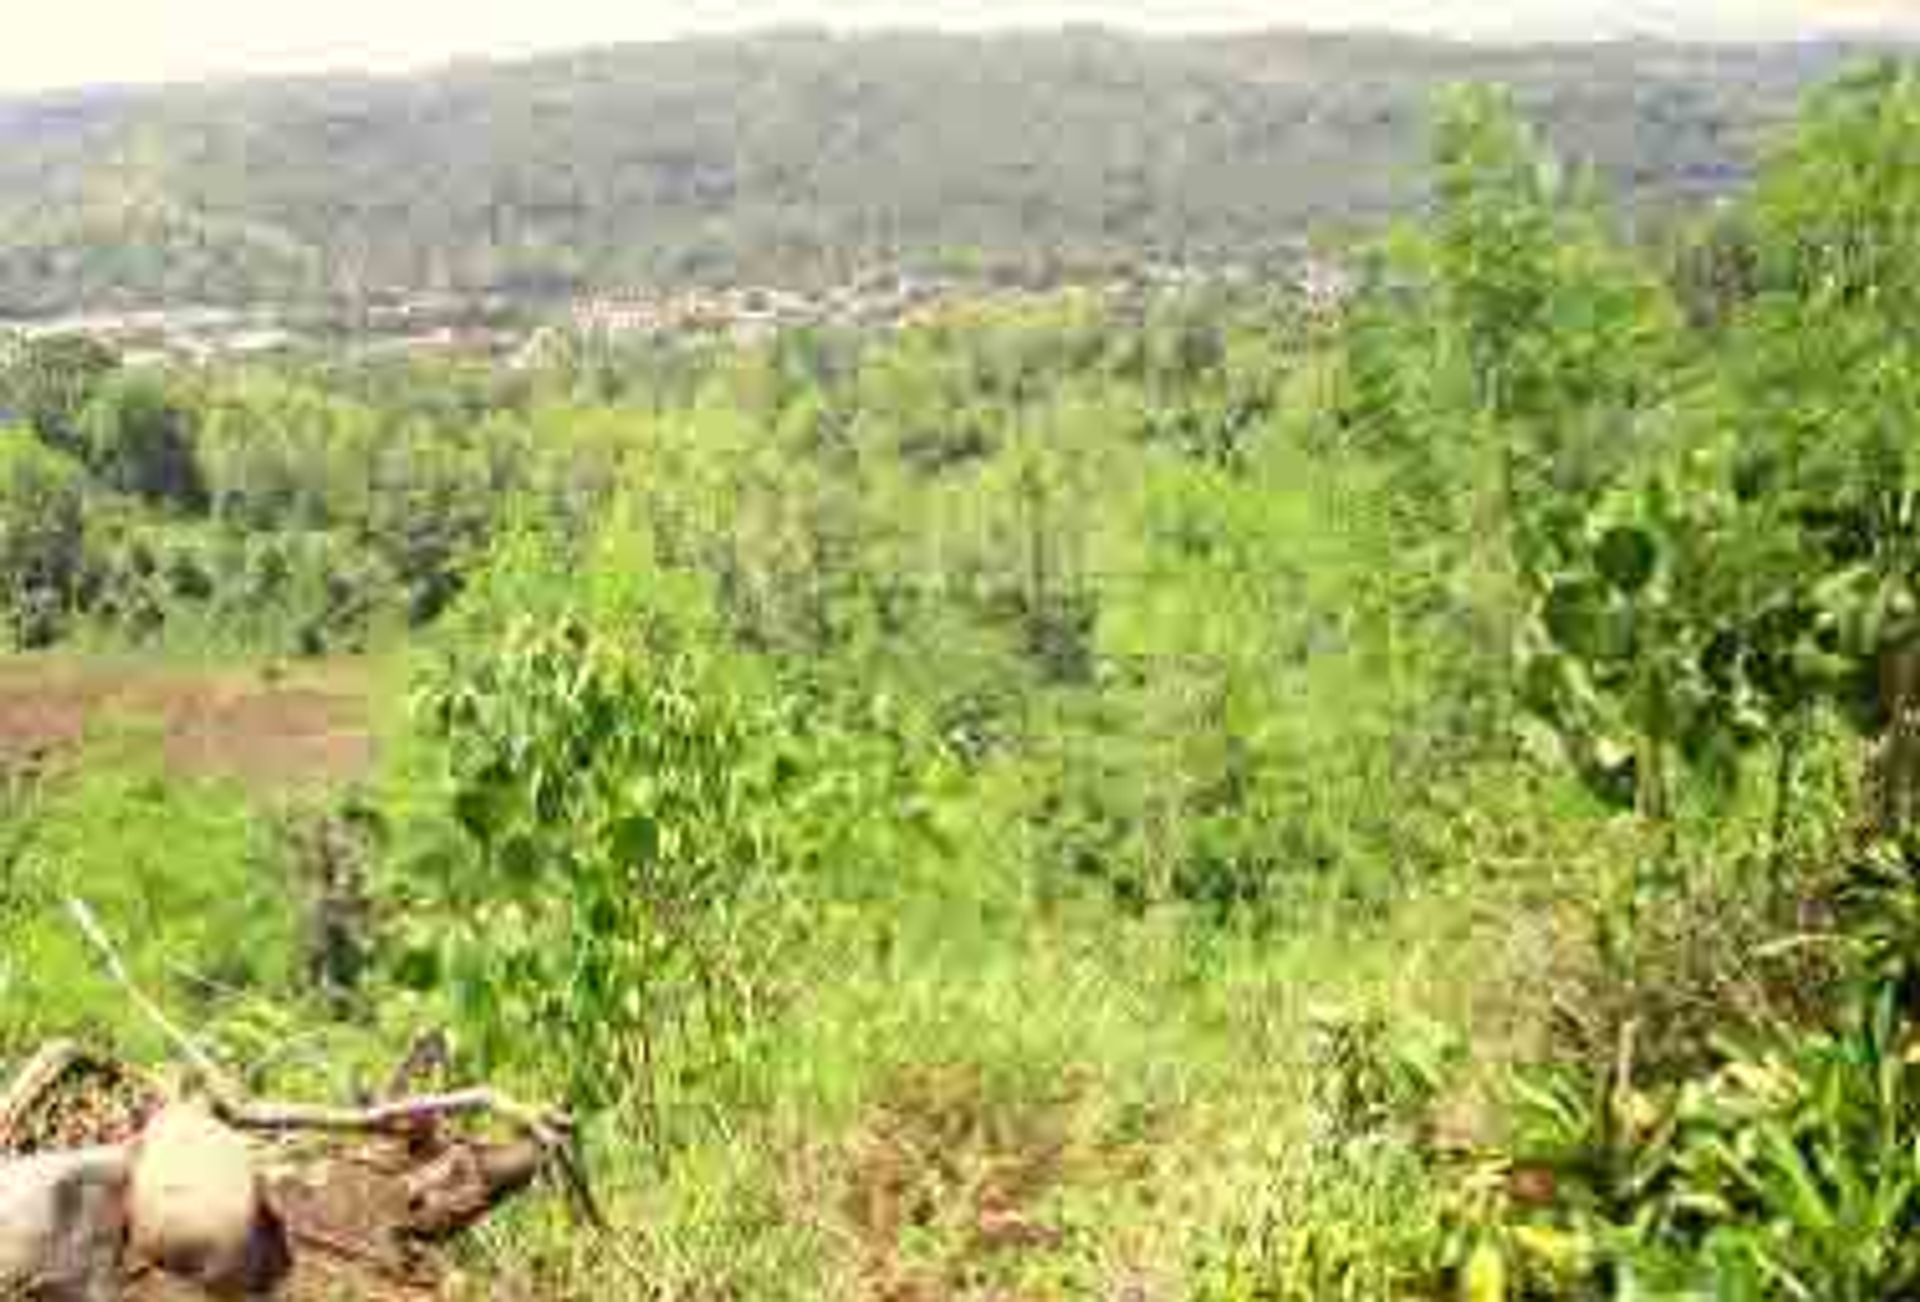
268,728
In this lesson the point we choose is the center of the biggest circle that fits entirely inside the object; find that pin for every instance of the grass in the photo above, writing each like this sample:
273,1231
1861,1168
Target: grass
184,872
967,1090
1013,1104
155,791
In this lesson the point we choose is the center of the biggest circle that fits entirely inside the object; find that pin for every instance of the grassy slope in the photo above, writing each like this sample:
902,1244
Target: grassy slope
156,791
999,1101
972,1095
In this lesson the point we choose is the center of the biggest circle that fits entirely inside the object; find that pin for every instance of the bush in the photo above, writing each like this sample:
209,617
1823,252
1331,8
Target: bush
42,534
630,815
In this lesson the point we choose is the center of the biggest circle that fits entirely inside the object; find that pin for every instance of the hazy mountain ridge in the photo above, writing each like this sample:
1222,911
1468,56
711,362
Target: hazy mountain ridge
796,155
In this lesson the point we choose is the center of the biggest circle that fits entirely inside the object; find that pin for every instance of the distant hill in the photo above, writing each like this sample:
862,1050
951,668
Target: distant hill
795,156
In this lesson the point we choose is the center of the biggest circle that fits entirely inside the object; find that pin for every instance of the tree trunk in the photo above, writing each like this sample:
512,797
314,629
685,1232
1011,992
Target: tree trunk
1893,768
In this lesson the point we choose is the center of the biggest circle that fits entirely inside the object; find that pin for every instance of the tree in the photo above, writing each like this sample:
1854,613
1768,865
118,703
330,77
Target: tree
136,438
430,507
42,532
1838,206
1825,378
1567,346
280,453
626,805
49,381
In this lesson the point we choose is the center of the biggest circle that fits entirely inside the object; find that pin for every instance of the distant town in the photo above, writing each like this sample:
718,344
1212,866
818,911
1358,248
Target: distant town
490,327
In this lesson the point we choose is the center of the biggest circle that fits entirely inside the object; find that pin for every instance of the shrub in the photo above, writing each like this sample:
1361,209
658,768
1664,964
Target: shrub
42,530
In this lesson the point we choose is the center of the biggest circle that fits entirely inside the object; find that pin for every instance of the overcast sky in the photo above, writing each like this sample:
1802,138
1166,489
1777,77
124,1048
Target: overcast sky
74,42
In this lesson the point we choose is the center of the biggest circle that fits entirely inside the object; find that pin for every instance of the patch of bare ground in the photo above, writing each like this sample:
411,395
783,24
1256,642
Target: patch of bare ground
270,729
950,1190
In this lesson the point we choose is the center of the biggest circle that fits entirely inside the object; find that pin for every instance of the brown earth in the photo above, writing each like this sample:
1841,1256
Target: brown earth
968,1179
268,729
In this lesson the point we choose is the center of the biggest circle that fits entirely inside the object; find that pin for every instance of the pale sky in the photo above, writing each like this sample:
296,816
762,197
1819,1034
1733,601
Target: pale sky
74,42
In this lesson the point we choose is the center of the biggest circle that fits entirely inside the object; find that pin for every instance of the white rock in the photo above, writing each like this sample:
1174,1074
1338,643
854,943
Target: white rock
63,1222
195,1200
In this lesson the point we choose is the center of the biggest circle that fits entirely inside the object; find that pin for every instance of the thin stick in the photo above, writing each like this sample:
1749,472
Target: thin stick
215,1076
428,1056
573,1175
397,1117
387,1118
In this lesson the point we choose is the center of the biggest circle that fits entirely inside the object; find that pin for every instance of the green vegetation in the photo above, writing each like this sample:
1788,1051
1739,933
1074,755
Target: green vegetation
1246,802
802,157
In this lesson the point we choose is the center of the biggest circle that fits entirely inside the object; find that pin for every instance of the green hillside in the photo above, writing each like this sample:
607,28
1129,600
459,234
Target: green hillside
793,156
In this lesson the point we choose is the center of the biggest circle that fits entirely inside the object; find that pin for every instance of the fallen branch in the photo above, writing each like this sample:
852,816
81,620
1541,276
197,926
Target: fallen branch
552,1132
400,1117
32,1117
451,1195
231,1104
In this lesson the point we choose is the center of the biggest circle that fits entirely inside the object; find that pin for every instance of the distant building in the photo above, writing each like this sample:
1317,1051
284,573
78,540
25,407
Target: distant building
251,343
543,348
1325,287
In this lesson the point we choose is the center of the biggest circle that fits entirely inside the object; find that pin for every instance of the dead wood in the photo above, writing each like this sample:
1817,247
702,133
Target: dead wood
351,1201
68,1097
354,1202
400,1117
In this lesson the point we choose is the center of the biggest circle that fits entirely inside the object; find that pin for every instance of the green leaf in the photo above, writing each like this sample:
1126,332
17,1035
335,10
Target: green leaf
482,810
1485,1276
518,858
1581,617
635,839
1626,558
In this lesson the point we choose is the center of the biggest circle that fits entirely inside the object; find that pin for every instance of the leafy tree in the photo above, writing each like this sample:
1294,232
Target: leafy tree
431,504
283,453
48,382
623,797
1836,206
137,438
1566,346
42,535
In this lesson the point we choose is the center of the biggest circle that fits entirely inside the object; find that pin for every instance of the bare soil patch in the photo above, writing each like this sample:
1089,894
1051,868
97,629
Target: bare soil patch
964,1177
267,729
